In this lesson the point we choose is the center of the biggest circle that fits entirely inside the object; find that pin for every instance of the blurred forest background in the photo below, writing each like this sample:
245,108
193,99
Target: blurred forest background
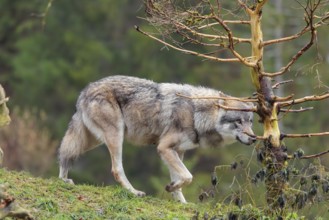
48,54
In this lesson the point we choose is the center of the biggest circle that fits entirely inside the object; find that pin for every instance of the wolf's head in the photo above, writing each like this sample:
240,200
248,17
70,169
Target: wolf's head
233,125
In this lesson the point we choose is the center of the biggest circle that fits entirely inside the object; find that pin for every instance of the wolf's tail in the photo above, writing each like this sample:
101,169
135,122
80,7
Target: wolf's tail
77,140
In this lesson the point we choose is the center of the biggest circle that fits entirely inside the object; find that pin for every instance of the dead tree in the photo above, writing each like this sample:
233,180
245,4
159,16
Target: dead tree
207,24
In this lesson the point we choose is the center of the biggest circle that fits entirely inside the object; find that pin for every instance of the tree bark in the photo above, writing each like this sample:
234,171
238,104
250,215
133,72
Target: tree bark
274,157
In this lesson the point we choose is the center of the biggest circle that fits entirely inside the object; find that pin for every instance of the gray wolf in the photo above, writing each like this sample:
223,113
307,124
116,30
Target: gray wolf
144,113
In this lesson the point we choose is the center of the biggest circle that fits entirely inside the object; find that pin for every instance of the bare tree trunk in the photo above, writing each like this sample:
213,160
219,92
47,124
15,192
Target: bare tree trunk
278,33
272,151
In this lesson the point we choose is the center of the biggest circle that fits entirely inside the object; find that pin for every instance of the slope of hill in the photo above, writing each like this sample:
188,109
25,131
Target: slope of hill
54,199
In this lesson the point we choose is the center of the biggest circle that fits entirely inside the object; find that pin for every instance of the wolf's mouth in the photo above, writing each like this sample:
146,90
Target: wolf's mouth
251,140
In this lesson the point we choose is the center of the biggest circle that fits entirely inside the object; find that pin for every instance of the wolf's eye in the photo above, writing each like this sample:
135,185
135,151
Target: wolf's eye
239,121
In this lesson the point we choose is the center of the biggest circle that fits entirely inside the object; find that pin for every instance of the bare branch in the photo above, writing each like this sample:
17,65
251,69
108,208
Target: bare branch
185,23
309,11
282,136
309,156
276,85
225,21
245,7
231,43
322,20
246,99
289,38
314,155
228,108
296,110
255,136
196,41
213,37
259,6
302,32
236,22
293,59
282,99
290,110
188,51
304,99
44,14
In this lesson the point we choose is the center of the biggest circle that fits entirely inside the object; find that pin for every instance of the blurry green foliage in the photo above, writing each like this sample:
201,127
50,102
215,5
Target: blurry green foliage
46,61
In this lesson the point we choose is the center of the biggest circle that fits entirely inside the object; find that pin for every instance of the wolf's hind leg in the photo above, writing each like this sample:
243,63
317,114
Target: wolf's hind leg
76,141
108,120
114,141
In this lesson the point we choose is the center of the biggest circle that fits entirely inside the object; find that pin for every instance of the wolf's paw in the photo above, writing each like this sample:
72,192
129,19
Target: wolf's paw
69,181
175,185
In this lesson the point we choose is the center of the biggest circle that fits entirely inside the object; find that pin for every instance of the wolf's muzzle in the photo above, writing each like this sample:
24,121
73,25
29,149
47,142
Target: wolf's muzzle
252,140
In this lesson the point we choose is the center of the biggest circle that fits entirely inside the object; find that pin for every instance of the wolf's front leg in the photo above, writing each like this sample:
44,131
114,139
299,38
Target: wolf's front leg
180,175
177,194
175,165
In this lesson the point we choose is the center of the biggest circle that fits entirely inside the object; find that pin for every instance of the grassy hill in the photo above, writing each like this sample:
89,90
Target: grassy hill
54,199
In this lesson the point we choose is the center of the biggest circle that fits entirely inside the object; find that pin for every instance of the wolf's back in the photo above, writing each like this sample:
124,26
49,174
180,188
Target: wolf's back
121,89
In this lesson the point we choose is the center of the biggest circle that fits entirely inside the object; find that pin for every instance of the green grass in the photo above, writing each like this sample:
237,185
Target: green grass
54,199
